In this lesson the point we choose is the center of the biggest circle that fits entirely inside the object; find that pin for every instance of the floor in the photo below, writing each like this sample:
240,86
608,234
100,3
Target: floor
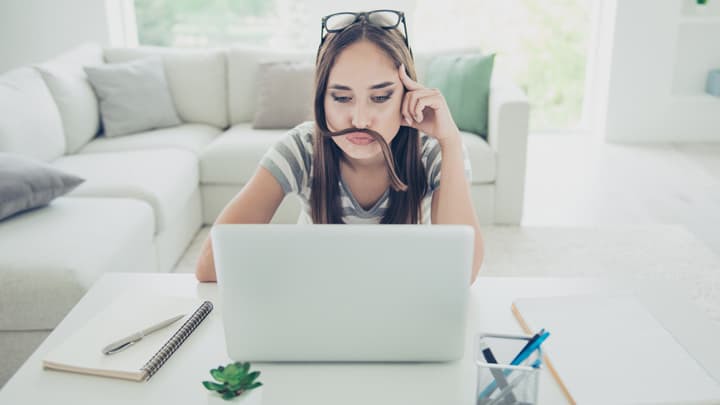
578,180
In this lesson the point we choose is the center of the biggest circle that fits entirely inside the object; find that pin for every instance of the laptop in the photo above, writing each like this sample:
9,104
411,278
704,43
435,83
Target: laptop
350,293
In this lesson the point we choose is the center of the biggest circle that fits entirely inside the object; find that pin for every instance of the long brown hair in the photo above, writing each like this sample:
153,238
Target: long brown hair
405,207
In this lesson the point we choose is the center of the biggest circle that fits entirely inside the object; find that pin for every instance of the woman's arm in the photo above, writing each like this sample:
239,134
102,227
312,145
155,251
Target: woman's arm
451,202
256,203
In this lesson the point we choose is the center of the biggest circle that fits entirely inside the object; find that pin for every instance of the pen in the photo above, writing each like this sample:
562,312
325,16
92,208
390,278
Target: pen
533,344
497,374
485,394
527,350
508,391
530,342
128,341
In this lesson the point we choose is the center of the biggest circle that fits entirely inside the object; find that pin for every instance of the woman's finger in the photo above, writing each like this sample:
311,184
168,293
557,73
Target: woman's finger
406,106
409,83
420,99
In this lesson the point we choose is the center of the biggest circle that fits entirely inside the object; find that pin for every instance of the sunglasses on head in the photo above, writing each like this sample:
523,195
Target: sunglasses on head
386,19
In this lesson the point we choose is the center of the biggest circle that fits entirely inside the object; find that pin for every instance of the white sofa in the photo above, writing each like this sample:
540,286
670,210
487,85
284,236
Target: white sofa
147,194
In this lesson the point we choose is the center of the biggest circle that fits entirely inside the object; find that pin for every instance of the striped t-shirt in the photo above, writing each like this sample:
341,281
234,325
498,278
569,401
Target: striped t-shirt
290,161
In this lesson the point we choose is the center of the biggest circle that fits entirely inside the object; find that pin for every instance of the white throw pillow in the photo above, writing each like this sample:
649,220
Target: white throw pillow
30,124
285,95
243,64
197,79
134,96
74,95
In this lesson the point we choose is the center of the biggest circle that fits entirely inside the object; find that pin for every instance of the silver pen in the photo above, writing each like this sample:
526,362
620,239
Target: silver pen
126,342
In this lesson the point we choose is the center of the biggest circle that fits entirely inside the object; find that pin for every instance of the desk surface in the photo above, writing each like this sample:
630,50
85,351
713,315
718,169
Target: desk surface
179,381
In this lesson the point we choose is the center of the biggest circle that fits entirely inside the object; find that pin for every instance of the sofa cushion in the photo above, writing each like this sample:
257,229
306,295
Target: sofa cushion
164,178
243,74
423,59
26,183
134,96
190,137
243,63
285,95
233,157
29,120
464,81
51,256
197,80
73,94
482,158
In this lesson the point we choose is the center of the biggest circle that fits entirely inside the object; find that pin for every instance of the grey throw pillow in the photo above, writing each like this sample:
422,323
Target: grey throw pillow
26,183
285,95
134,96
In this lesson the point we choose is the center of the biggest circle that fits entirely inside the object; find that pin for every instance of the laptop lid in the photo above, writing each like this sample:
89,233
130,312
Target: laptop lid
343,292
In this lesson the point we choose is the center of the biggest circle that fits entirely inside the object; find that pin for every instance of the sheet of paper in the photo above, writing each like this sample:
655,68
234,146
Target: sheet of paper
610,349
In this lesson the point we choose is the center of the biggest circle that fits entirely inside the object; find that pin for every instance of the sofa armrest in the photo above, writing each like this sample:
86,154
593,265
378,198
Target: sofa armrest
508,120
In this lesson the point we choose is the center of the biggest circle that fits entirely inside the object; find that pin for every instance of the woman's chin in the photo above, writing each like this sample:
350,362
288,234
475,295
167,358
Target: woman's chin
362,151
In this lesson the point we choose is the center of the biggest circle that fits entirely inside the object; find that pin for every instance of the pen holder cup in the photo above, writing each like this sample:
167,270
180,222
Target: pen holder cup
501,382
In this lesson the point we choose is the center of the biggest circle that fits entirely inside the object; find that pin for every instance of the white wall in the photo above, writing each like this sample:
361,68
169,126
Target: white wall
32,31
660,54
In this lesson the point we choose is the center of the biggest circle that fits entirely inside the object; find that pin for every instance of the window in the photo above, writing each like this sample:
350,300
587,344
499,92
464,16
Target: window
541,44
186,23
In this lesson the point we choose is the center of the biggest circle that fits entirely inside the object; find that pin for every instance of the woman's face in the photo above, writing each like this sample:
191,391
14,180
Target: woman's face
364,91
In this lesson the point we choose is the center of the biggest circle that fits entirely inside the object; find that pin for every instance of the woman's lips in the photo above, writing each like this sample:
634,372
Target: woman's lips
395,181
359,138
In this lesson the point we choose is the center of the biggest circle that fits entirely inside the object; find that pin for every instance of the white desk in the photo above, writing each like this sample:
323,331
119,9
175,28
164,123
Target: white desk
179,381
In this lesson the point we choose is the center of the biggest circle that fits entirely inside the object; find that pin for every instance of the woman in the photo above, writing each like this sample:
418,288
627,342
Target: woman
364,159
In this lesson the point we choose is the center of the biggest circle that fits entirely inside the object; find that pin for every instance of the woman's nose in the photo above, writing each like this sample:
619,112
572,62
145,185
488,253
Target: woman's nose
361,116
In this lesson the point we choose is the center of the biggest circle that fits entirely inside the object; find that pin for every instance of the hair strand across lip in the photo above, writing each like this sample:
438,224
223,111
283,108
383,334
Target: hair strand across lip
395,181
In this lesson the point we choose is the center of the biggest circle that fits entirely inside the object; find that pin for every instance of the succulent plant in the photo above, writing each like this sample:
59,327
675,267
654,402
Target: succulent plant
233,380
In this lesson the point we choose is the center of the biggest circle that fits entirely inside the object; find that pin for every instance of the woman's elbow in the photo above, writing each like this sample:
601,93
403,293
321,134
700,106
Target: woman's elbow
479,256
205,275
205,269
475,273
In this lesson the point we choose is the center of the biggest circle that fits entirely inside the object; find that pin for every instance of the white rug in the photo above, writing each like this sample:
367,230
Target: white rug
664,252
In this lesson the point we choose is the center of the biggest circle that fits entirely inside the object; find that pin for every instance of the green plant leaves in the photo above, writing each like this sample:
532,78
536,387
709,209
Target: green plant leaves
251,377
213,386
233,371
217,374
235,380
229,395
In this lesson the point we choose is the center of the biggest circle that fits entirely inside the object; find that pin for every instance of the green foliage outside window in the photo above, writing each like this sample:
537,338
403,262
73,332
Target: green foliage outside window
200,23
541,44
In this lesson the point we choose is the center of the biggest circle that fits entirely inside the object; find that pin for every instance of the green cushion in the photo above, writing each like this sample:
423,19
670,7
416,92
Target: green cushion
464,81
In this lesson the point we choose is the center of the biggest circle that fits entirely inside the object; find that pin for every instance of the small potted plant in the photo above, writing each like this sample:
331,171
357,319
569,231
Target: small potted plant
234,383
701,6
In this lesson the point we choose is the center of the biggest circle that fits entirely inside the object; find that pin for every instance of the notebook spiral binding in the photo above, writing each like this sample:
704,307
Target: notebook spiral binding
177,339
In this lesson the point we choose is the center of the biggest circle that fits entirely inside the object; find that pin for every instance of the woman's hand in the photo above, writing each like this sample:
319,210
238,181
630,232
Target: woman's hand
426,110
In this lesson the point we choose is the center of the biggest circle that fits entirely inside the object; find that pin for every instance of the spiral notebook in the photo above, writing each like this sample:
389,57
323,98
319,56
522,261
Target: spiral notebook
82,353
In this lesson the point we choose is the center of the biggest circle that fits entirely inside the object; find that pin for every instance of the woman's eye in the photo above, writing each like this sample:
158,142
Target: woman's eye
381,99
341,99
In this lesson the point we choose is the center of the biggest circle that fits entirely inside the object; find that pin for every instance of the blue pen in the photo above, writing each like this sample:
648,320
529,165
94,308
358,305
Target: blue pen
530,342
522,356
525,353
